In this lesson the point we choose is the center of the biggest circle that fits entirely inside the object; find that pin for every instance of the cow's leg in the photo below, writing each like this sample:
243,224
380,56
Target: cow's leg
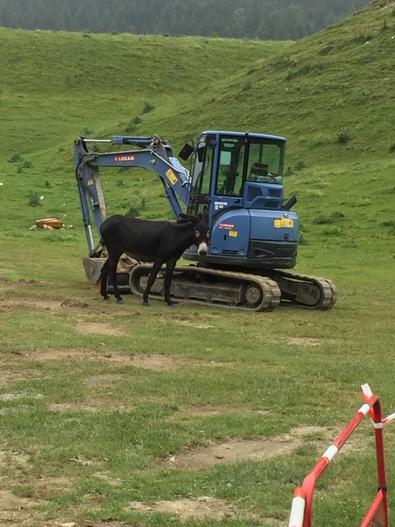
168,278
151,279
103,280
113,263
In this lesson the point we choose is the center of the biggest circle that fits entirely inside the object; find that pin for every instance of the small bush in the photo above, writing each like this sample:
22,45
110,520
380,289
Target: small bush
86,131
148,107
47,184
299,165
136,211
343,137
288,171
15,158
333,231
27,164
137,120
390,224
328,219
34,199
130,128
246,86
120,183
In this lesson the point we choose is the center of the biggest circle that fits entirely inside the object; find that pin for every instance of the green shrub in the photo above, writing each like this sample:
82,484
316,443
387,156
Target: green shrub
86,131
330,219
34,199
343,137
390,224
137,120
130,128
15,158
299,165
148,107
332,231
135,211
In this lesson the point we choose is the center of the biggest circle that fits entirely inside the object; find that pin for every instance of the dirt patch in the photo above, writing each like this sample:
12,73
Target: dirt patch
193,324
209,410
102,380
47,305
20,395
49,487
154,362
157,362
14,374
91,407
16,459
234,450
304,342
106,476
14,510
186,509
97,328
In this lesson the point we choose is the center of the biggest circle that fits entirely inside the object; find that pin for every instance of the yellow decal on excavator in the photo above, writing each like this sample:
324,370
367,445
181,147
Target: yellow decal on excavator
171,176
283,223
233,234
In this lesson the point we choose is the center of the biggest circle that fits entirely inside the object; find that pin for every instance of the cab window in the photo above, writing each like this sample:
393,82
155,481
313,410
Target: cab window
264,163
230,167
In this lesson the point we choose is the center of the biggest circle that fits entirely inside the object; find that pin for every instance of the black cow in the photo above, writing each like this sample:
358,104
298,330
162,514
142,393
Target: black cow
159,242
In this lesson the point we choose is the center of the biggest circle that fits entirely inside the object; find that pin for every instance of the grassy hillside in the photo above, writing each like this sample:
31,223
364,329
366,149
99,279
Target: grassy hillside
97,399
56,86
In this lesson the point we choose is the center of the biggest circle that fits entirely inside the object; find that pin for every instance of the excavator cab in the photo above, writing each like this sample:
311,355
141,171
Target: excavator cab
236,178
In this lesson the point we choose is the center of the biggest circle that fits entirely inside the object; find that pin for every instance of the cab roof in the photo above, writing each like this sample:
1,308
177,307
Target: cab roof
244,134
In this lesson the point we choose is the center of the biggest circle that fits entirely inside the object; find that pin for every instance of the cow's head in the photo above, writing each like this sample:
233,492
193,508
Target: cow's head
200,231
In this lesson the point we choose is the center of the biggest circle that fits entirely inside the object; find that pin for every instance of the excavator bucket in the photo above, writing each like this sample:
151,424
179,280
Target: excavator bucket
92,267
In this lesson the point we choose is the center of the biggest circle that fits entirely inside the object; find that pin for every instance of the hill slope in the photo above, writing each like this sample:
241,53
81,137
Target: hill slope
332,95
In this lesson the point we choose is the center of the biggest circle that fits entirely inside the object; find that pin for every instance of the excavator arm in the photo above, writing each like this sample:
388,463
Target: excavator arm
153,154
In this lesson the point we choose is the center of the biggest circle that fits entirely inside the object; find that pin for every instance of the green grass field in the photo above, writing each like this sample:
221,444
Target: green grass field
118,414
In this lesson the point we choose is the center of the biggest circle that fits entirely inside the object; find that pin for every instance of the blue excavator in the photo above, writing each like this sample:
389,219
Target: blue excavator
235,178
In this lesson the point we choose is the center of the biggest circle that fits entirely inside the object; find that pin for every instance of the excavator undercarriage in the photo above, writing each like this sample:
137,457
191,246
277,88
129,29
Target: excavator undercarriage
216,287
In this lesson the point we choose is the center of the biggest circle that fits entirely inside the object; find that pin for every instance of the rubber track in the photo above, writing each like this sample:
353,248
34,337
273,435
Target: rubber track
327,289
271,294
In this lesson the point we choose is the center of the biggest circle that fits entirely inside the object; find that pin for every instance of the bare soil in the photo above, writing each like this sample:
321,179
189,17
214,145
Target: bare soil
186,509
304,341
212,410
153,361
234,450
98,328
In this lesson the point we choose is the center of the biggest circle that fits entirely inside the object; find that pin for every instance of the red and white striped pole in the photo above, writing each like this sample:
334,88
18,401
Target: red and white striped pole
303,496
